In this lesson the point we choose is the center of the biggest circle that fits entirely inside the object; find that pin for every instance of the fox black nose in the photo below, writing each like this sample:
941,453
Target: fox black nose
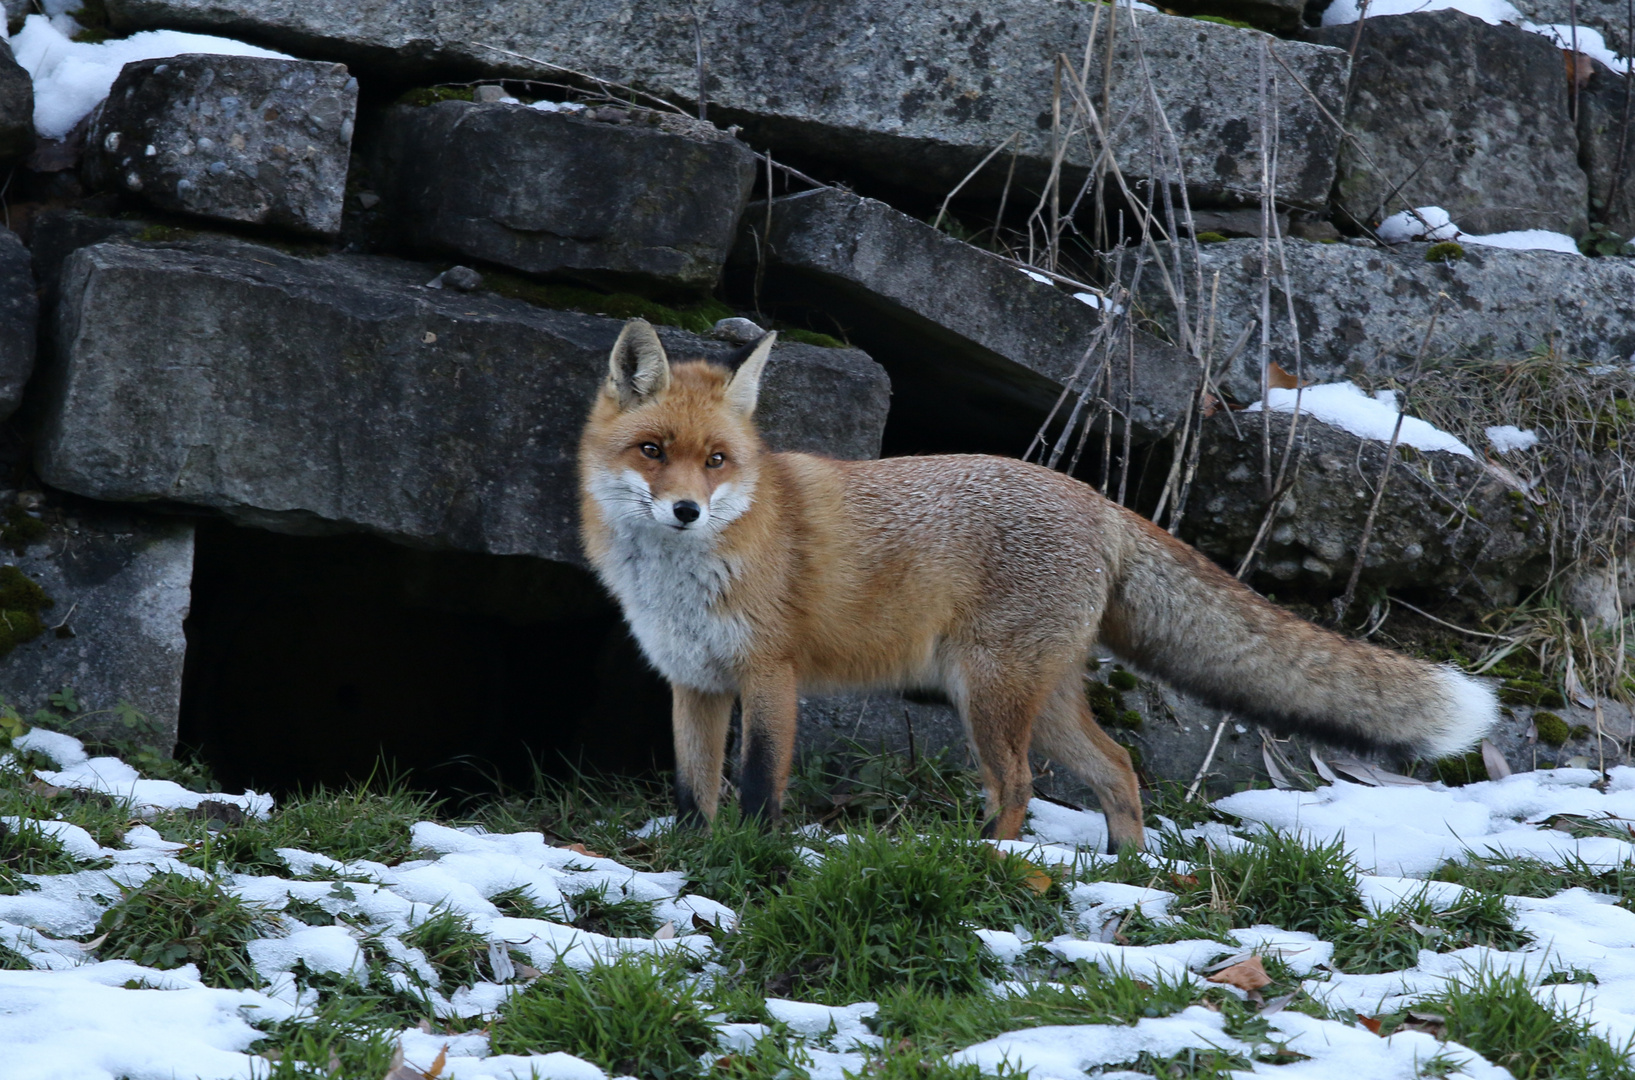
686,511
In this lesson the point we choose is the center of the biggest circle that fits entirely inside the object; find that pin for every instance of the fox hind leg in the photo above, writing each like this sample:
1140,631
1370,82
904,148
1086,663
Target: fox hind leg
769,706
1068,733
699,723
998,702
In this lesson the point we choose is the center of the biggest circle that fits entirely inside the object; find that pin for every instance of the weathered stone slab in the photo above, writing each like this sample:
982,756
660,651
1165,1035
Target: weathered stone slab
1445,519
918,93
16,108
963,324
1366,309
235,138
1281,15
19,317
119,585
341,394
1609,18
1449,111
1606,149
609,195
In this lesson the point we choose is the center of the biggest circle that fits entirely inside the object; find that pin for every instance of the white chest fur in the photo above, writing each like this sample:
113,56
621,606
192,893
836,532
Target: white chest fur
668,586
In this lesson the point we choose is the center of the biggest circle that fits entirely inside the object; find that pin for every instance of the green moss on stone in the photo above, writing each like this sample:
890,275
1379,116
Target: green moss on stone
1552,729
21,601
21,529
1530,691
1445,252
810,337
1224,21
1459,771
1122,680
697,318
431,95
1211,237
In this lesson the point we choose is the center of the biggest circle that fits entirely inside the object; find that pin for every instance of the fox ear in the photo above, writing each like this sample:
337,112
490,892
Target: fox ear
637,367
745,386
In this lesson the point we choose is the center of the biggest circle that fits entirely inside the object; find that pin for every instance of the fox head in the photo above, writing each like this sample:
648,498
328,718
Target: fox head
672,446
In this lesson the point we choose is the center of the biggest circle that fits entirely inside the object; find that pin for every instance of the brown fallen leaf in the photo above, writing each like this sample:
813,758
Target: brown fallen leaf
1183,880
1210,405
1279,379
437,1063
587,852
1249,975
1034,877
1579,69
1370,1023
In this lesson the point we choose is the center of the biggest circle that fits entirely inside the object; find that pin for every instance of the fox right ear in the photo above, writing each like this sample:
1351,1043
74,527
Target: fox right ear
638,368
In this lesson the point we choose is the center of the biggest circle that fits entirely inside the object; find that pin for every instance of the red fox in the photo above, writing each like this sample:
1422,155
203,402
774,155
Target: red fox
749,575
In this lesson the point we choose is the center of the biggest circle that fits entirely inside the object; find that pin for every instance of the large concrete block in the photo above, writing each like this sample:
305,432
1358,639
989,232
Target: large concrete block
1449,111
959,329
653,196
19,316
1606,149
119,585
1367,309
340,394
16,108
916,92
1445,520
235,138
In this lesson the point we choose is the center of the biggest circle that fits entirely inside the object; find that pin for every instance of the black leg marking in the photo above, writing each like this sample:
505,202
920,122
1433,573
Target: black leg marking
755,791
688,815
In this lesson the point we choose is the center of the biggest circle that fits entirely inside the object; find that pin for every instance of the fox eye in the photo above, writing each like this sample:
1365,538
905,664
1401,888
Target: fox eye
652,450
715,460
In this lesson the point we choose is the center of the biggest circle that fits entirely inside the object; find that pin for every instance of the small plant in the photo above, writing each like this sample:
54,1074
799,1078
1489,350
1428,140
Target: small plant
625,916
1495,1014
451,946
879,913
1601,241
1552,729
634,1016
21,602
1445,252
172,920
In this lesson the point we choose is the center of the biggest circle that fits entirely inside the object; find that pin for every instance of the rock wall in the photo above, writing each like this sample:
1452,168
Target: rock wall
366,291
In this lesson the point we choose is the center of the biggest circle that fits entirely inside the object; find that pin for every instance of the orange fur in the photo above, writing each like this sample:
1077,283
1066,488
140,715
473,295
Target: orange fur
985,577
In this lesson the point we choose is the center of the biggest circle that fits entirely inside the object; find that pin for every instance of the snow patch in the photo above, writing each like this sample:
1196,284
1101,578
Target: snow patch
1346,407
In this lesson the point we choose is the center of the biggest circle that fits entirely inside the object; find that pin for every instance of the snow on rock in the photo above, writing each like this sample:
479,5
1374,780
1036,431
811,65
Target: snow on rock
817,1021
1429,223
1586,39
72,77
65,750
1344,406
110,776
186,1030
1508,438
1526,240
328,949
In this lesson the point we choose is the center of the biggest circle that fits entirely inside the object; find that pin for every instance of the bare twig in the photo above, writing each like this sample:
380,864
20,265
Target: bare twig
1198,780
943,209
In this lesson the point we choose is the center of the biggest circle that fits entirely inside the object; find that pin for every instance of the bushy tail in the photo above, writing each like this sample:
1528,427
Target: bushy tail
1174,613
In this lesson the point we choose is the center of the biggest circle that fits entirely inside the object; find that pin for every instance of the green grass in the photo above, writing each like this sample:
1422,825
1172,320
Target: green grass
171,920
343,1037
519,905
882,912
1273,879
1496,1015
1390,940
12,960
935,1021
622,916
858,786
1520,875
361,822
26,849
451,946
633,1016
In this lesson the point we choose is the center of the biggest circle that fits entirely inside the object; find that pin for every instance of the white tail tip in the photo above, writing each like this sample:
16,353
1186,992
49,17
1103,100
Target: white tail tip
1467,710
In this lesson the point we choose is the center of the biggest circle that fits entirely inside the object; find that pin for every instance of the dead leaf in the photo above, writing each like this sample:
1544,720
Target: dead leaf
665,932
1277,1004
1369,1022
585,851
1497,767
1278,379
437,1063
94,943
1322,768
1034,877
1373,775
1279,781
44,790
1210,405
1180,880
528,971
1249,975
714,931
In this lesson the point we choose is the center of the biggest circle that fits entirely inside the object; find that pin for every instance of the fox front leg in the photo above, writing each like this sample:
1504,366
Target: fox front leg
699,723
769,706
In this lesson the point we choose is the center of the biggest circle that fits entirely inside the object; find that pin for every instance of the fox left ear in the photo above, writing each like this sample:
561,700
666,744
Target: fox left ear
745,386
638,366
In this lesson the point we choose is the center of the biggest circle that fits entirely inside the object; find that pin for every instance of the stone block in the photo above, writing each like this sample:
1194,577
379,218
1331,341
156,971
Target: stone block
1284,15
1445,520
1449,111
914,93
961,331
16,108
19,317
1365,310
119,584
606,194
1606,149
340,394
235,138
